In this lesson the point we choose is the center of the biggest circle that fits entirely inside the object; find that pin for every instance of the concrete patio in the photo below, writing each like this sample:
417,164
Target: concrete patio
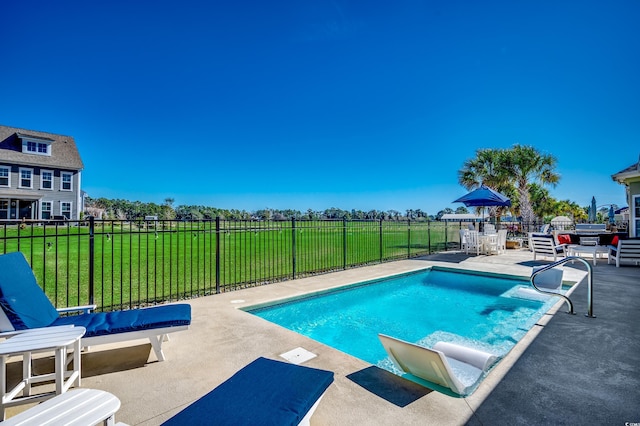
567,369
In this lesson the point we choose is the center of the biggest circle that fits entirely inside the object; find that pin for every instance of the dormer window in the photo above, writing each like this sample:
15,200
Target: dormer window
35,145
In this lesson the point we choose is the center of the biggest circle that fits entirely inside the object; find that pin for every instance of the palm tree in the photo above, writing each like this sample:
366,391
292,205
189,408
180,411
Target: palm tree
525,165
486,169
542,203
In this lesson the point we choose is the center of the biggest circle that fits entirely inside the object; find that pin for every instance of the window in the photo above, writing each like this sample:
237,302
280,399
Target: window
5,176
65,209
635,216
4,209
46,210
65,181
36,147
26,178
46,179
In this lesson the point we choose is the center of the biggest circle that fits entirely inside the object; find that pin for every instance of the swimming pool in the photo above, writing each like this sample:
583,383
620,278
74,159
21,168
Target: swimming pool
436,304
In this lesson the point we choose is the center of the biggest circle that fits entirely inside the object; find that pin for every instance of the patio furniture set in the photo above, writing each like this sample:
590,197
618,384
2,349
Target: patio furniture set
488,242
591,242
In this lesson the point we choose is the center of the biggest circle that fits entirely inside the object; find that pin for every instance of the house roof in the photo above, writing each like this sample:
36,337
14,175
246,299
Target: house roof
460,216
630,172
64,152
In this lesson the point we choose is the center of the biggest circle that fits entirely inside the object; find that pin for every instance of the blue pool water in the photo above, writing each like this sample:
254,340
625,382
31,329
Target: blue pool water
423,307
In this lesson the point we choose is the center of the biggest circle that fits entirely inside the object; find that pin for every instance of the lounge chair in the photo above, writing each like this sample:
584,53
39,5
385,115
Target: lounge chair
25,306
265,392
452,366
625,250
545,245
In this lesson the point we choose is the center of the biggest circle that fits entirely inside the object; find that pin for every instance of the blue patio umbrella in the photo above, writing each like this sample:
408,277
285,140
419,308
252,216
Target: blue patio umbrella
484,197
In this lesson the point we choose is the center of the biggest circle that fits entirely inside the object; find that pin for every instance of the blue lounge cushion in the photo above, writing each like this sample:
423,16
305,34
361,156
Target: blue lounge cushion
27,306
265,392
22,299
104,323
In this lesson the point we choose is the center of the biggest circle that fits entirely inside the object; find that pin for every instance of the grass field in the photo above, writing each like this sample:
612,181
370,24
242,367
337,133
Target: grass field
136,263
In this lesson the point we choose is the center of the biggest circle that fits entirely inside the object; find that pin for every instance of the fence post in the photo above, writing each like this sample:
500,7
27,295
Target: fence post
91,257
408,238
380,226
446,235
293,246
217,254
344,243
429,236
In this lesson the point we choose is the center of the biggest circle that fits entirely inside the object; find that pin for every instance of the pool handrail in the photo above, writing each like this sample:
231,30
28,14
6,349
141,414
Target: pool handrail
551,293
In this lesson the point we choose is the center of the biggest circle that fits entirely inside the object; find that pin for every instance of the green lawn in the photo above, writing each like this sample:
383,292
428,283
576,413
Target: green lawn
135,264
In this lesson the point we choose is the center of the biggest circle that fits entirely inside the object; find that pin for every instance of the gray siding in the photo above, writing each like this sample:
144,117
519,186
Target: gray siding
64,159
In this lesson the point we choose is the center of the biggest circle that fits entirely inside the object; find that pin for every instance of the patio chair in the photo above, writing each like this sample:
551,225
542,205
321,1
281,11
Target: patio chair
453,366
473,242
625,250
502,241
265,392
545,245
464,238
25,306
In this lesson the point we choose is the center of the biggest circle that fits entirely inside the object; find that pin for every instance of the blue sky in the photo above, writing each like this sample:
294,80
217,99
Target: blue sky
319,104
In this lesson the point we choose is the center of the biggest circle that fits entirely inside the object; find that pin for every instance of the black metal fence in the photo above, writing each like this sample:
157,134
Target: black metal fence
123,264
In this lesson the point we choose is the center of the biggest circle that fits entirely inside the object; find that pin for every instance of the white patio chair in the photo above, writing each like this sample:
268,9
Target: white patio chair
502,241
544,245
473,242
626,250
464,238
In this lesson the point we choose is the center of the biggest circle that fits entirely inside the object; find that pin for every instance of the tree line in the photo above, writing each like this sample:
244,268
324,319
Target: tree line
119,209
522,173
